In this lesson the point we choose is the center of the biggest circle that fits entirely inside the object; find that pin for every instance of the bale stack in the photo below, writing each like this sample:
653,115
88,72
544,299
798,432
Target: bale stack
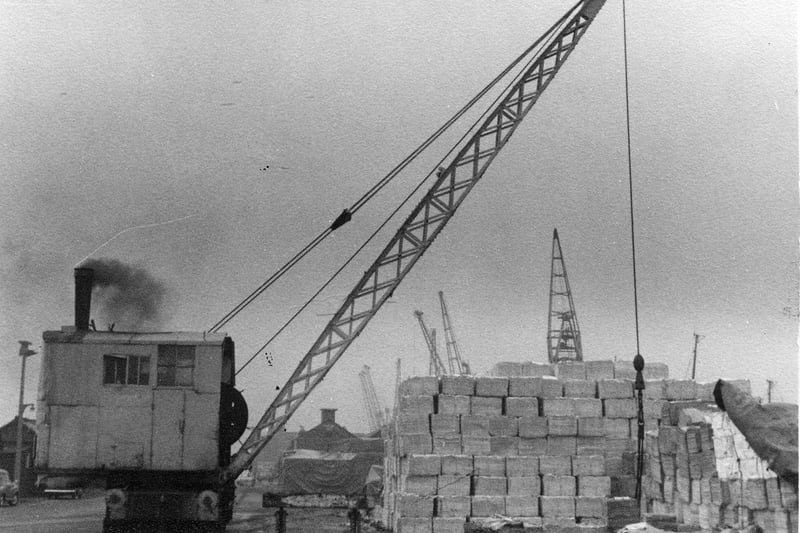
701,470
549,449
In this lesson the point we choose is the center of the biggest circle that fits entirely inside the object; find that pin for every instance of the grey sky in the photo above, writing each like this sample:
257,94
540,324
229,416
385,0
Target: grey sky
127,114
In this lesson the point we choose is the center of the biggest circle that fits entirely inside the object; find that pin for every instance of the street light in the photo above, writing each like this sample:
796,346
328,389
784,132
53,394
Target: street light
24,352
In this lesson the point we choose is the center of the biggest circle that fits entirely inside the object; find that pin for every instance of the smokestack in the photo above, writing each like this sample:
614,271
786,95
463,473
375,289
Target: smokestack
83,297
328,416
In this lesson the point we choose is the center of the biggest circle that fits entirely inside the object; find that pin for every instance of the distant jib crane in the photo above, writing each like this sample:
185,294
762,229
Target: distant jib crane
372,404
563,333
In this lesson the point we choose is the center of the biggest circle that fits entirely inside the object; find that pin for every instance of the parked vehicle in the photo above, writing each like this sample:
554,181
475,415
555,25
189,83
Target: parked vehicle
9,490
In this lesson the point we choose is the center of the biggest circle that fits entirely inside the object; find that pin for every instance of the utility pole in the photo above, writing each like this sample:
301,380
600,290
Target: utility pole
694,353
24,352
770,384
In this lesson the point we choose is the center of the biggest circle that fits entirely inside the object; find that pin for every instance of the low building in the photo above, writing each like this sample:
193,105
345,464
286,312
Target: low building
8,449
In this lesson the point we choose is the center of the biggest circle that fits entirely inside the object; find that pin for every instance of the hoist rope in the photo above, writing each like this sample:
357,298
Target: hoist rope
346,215
538,43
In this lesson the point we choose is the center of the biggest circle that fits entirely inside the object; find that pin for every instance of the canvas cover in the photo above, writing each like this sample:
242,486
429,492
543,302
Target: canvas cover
334,473
770,429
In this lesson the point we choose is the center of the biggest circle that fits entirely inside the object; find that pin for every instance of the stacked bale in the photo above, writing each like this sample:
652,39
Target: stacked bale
549,449
701,470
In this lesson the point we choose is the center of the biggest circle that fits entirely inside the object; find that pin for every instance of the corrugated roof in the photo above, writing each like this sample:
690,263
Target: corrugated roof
71,335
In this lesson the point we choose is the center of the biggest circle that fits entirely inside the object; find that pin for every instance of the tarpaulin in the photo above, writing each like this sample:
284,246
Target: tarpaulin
770,429
313,472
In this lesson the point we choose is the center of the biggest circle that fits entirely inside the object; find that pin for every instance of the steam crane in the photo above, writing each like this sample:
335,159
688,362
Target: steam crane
563,334
457,365
371,401
416,234
165,460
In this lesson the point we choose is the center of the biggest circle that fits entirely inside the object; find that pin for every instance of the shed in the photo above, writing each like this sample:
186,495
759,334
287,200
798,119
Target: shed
8,448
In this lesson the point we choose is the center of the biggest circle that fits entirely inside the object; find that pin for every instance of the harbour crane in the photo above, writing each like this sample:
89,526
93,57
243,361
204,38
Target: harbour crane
435,365
451,186
457,365
563,333
371,402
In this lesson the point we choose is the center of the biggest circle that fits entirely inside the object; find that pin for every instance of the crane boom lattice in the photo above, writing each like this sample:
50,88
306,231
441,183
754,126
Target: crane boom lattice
371,401
454,360
449,189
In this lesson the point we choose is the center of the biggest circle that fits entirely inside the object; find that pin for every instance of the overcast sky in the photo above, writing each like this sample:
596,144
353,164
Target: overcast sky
249,126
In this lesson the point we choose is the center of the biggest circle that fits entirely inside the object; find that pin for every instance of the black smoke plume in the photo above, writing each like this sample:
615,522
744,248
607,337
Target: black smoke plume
124,295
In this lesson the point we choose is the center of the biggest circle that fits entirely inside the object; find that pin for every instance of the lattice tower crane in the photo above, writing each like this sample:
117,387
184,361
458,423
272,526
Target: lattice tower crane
457,365
563,333
416,234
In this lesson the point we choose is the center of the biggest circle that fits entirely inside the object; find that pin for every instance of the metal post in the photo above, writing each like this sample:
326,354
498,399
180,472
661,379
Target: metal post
280,520
24,352
355,520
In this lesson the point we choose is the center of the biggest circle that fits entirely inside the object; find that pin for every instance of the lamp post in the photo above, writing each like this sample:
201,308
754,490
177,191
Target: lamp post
24,352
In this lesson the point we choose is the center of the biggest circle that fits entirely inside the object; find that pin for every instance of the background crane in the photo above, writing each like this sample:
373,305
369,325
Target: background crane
457,365
371,402
563,334
435,365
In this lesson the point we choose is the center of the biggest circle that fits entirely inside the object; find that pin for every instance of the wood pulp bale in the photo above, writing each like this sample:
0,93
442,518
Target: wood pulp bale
593,426
453,405
524,386
558,485
551,387
588,407
532,426
590,507
420,404
654,389
458,465
412,505
557,445
453,506
522,505
453,485
412,423
617,428
624,370
420,385
655,409
491,386
502,426
773,492
621,512
528,466
504,446
485,405
570,370
596,486
599,369
474,445
458,385
680,389
407,524
555,465
656,371
557,506
445,424
414,444
558,407
532,446
420,485
562,425
588,465
421,465
449,525
446,444
590,445
518,406
705,390
488,505
529,486
489,465
755,494
475,425
788,494
614,388
580,388
619,408
537,369
489,486
668,439
623,486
